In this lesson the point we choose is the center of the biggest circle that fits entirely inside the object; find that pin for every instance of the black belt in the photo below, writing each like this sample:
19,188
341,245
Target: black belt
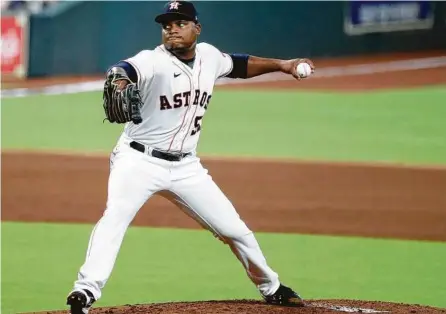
158,154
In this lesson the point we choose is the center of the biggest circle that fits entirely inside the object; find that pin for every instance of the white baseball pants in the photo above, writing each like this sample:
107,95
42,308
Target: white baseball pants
134,178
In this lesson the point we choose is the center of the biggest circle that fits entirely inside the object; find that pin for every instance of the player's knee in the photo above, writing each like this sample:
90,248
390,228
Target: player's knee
234,232
122,214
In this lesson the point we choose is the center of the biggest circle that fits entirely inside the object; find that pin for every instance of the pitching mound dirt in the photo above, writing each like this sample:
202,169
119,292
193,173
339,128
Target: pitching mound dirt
258,307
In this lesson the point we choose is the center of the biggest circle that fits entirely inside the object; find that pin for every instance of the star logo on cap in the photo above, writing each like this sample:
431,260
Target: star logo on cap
174,5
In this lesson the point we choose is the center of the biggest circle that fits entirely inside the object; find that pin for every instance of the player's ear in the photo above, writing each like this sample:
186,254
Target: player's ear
198,29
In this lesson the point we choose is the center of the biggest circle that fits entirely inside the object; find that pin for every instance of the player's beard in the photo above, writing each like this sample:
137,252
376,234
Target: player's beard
179,50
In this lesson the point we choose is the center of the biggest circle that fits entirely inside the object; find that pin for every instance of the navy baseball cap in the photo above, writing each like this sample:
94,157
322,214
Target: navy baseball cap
178,10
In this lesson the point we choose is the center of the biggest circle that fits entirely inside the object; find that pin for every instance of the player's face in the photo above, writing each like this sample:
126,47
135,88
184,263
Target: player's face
180,34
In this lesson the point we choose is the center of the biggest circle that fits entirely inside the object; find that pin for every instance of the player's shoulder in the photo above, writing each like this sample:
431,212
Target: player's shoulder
145,58
208,48
146,53
141,57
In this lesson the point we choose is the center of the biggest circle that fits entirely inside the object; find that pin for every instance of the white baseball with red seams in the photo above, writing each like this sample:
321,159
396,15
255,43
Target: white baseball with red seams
175,99
303,70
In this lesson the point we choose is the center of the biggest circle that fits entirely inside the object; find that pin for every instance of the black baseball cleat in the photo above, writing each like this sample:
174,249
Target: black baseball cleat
80,301
285,296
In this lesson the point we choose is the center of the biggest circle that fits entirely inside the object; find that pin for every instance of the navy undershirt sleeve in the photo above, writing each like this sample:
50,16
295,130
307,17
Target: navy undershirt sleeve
129,69
240,65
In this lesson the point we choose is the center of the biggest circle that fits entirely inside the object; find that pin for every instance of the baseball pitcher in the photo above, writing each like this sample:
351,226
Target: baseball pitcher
161,96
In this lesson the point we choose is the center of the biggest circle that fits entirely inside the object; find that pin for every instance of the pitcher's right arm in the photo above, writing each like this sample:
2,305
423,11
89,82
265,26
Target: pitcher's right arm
122,100
123,87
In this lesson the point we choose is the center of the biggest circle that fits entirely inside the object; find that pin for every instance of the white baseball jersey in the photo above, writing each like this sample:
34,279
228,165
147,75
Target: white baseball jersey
175,96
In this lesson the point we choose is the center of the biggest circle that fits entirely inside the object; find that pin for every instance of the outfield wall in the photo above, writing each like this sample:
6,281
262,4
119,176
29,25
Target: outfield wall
86,37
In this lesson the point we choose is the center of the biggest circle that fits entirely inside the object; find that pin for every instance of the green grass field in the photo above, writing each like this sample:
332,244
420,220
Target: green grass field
40,261
159,265
391,126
